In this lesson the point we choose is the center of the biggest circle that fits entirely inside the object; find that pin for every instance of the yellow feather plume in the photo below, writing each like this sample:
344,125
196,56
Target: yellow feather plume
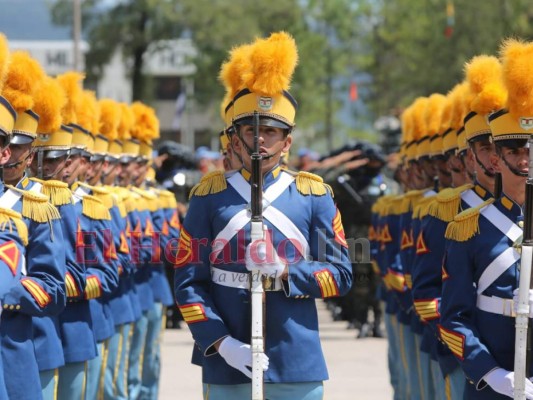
484,75
127,120
88,113
460,97
407,124
273,62
23,77
49,100
71,82
232,71
4,59
434,111
110,115
446,114
420,106
146,126
517,62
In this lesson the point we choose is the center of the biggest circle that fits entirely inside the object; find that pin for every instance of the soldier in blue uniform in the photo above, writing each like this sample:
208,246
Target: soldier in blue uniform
481,266
309,251
121,302
41,293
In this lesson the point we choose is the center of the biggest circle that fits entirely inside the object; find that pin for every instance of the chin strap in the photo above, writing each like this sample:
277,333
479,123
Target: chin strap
16,164
513,169
483,168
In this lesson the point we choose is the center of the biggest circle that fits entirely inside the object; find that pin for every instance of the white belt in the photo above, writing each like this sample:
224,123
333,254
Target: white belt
496,305
241,280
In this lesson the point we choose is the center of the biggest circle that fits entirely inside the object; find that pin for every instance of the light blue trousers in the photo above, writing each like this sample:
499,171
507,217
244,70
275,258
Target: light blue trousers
151,360
94,372
136,357
394,357
115,381
273,391
72,381
49,383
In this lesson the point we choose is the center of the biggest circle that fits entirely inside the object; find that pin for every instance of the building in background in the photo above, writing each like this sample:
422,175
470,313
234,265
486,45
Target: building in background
28,26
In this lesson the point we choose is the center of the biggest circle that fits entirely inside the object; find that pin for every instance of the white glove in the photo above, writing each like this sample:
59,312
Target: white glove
261,256
239,355
502,381
515,302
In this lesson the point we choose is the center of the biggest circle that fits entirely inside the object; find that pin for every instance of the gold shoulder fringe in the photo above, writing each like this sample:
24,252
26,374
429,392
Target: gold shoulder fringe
170,197
465,225
421,209
8,218
101,193
150,199
409,200
211,183
36,206
311,184
394,206
93,207
446,204
58,192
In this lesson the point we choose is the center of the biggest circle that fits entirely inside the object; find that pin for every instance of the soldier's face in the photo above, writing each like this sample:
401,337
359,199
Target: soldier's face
272,142
5,151
19,152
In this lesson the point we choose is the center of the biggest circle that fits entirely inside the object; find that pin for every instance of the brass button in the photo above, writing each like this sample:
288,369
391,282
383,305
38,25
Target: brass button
11,307
6,306
17,307
521,224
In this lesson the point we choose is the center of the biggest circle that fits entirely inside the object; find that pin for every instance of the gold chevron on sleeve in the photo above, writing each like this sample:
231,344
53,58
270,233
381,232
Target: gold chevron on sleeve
72,289
326,283
193,313
93,288
427,309
37,292
455,341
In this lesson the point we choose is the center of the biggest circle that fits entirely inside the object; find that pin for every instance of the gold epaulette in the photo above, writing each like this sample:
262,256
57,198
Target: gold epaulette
150,198
409,200
101,193
380,207
421,209
394,206
170,198
120,194
36,206
58,192
211,183
93,207
311,184
8,218
447,202
465,225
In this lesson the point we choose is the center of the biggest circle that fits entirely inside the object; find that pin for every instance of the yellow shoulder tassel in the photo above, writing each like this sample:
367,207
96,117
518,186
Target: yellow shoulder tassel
311,184
211,183
395,206
446,205
421,209
93,207
101,193
36,206
8,218
465,225
409,200
58,192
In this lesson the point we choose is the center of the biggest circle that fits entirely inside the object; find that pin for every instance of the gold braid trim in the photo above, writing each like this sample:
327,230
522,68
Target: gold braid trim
422,207
465,225
211,183
58,192
93,207
36,206
10,217
409,200
311,184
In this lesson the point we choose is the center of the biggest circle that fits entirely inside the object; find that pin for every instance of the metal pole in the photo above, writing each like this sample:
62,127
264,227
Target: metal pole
76,34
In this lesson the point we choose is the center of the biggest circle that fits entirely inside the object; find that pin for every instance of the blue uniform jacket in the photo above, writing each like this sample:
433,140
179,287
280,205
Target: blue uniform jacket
480,340
214,311
40,293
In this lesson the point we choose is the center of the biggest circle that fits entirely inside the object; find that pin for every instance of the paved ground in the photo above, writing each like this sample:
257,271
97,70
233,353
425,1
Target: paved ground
357,368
